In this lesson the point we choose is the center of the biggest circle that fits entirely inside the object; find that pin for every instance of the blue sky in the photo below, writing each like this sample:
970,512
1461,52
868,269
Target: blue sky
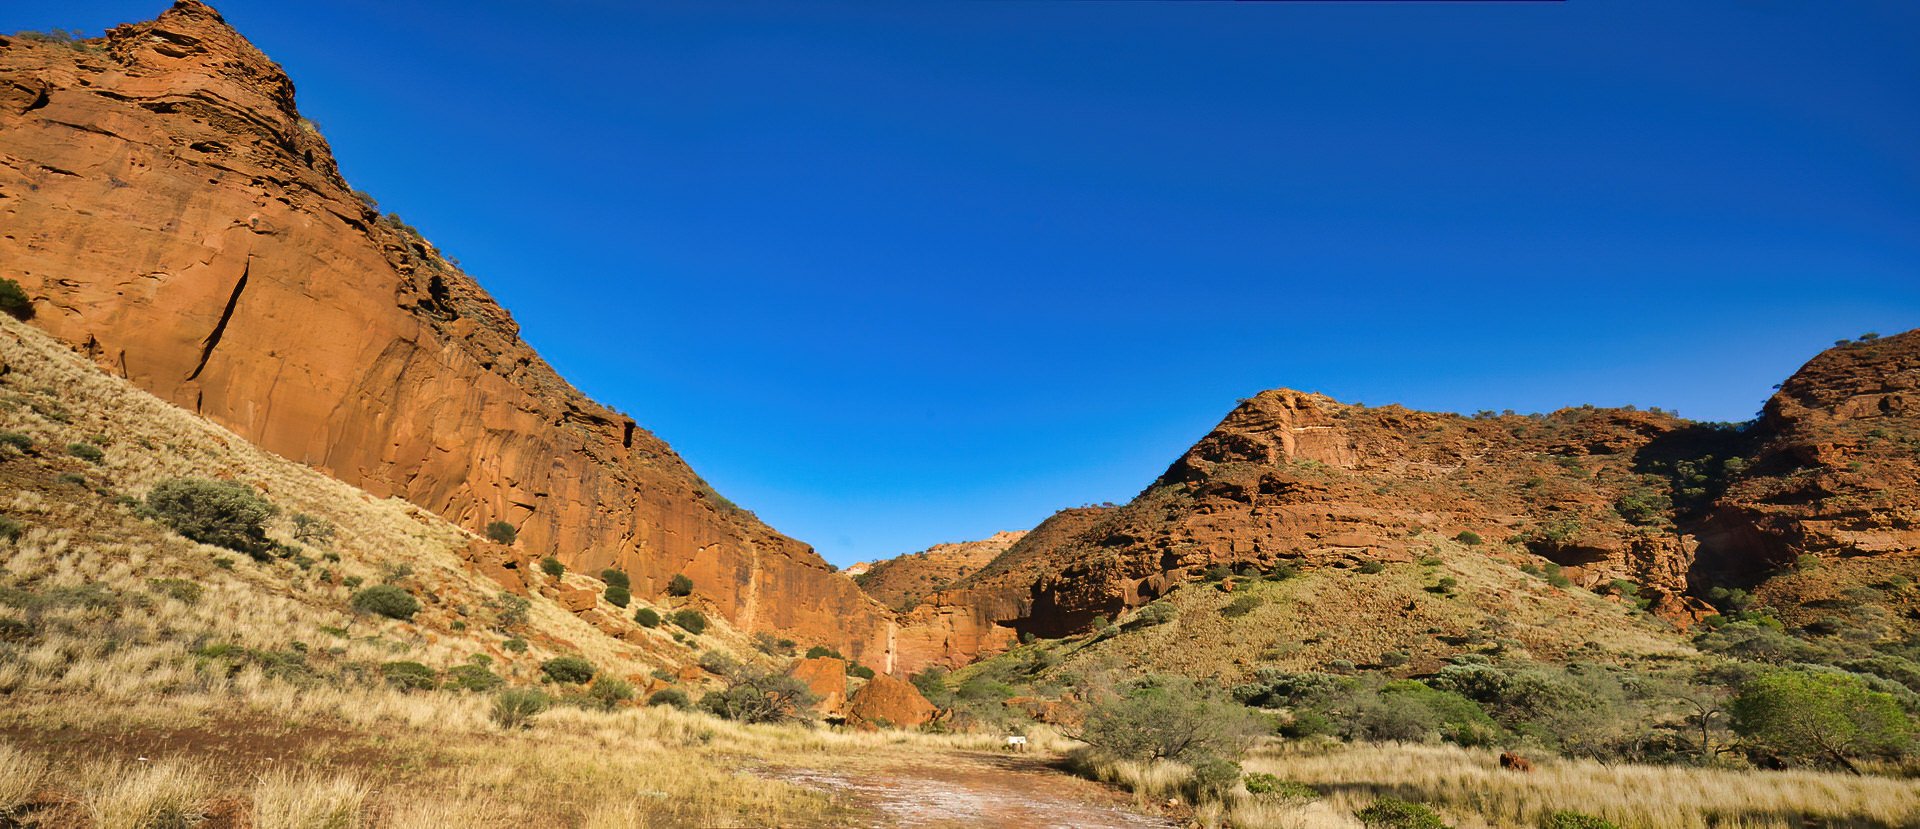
892,273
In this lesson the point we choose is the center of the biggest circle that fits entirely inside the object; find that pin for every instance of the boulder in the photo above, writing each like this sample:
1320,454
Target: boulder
885,702
826,677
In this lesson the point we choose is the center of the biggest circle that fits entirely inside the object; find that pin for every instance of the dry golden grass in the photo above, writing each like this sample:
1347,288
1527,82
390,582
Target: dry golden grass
1470,788
1384,612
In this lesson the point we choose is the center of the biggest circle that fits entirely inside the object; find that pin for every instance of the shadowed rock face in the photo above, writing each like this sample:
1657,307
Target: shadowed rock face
173,216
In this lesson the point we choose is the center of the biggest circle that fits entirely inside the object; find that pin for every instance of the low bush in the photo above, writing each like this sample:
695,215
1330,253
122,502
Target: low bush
515,645
647,617
180,590
17,441
1371,567
409,676
552,567
693,621
474,677
1576,820
1168,718
1394,813
618,596
670,696
11,528
1260,783
569,669
516,707
616,578
756,696
222,513
1241,606
818,651
859,670
608,692
389,600
1212,780
87,452
14,301
680,586
1468,537
502,532
1158,613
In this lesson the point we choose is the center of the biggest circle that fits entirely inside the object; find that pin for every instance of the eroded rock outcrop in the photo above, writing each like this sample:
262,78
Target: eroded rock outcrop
885,702
172,215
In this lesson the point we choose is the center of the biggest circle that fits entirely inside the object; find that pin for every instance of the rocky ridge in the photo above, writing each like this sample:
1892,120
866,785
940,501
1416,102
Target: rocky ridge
172,215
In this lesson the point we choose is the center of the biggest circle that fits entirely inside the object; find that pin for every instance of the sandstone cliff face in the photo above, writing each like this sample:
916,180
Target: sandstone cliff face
172,215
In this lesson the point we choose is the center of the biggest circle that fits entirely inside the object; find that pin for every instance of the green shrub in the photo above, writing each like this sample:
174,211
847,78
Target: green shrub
616,578
11,528
647,617
818,651
17,441
1241,606
569,669
1576,820
691,620
608,692
1394,813
87,452
515,645
474,677
1371,567
516,707
1168,718
409,676
680,585
14,301
502,532
1821,718
1212,780
391,601
861,671
552,567
352,582
618,596
1158,613
1261,783
670,696
221,513
1468,537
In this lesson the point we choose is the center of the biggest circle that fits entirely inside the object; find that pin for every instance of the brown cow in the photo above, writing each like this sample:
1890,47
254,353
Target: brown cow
1515,762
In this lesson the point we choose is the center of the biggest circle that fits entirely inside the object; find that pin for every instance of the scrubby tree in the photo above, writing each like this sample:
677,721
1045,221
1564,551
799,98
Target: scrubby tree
618,596
1821,718
389,600
647,617
754,695
680,585
222,513
502,532
14,301
552,567
1168,718
616,578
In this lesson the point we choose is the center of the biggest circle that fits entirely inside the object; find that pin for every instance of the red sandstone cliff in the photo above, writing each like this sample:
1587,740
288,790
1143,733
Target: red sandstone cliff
172,215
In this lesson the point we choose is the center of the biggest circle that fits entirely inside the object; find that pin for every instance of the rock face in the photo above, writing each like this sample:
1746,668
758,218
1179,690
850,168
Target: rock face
885,702
173,216
826,677
1832,469
1838,471
905,581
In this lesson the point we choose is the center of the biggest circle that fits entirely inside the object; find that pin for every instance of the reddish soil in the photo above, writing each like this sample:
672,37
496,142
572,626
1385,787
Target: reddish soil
976,789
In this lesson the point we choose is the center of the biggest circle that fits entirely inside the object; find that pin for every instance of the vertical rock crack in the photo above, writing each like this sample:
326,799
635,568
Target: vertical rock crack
220,328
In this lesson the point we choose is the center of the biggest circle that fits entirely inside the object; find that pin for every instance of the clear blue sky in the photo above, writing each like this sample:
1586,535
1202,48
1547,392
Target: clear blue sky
897,273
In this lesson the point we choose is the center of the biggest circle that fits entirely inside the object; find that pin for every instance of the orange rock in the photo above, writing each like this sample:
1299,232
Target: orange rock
887,702
579,599
826,677
228,268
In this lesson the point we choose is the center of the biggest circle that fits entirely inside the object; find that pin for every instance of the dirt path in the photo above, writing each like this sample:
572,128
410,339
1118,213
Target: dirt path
975,789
